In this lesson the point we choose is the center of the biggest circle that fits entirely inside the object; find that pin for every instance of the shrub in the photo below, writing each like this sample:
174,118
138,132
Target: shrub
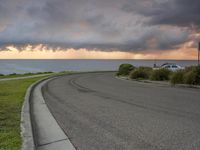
177,77
197,75
47,72
28,73
189,68
1,74
125,69
193,76
141,73
160,74
12,74
189,77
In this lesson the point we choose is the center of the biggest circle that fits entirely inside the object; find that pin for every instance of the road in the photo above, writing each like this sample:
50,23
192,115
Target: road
100,112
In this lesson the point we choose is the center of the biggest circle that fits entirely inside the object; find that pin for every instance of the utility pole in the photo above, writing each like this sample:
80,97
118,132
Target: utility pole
198,54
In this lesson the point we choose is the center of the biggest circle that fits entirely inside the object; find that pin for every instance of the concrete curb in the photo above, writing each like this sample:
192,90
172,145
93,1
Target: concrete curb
26,126
47,133
27,130
160,83
35,132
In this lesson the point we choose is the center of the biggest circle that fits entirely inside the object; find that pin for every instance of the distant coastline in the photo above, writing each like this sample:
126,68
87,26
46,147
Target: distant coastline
8,66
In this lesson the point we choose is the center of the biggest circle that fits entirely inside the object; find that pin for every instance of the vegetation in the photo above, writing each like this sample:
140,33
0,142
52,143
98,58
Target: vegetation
11,100
125,69
141,73
189,75
161,74
14,75
177,77
192,75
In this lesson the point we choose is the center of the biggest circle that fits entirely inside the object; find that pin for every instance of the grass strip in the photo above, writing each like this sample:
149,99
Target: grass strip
11,100
14,75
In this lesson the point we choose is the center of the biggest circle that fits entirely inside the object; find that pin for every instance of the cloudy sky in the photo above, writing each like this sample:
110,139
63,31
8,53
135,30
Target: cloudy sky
140,29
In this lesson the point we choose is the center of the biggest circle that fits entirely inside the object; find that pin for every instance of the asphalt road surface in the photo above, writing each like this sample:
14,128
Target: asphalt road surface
100,112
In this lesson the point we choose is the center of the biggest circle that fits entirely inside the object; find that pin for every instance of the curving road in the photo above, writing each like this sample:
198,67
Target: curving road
99,112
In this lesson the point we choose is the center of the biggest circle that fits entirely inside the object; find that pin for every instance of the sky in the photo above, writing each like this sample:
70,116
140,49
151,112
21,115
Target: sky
99,29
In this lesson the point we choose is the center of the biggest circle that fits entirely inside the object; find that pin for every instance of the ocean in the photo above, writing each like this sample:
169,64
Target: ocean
8,66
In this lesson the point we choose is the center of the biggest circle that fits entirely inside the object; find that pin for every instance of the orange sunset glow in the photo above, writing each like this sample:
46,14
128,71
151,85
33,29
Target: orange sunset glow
106,29
179,54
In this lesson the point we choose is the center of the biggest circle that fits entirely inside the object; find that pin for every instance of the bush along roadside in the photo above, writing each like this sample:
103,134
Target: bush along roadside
125,69
141,73
161,75
177,77
189,75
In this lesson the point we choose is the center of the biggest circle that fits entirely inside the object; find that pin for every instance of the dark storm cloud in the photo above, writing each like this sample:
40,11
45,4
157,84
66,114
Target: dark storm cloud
125,25
167,12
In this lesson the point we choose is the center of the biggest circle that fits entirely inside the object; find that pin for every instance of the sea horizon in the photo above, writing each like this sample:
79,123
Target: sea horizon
20,66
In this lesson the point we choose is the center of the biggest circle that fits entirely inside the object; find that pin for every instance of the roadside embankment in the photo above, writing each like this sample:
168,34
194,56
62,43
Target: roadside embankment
11,100
187,77
13,91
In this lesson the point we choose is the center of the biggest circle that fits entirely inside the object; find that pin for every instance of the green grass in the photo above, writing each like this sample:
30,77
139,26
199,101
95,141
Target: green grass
11,100
14,75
